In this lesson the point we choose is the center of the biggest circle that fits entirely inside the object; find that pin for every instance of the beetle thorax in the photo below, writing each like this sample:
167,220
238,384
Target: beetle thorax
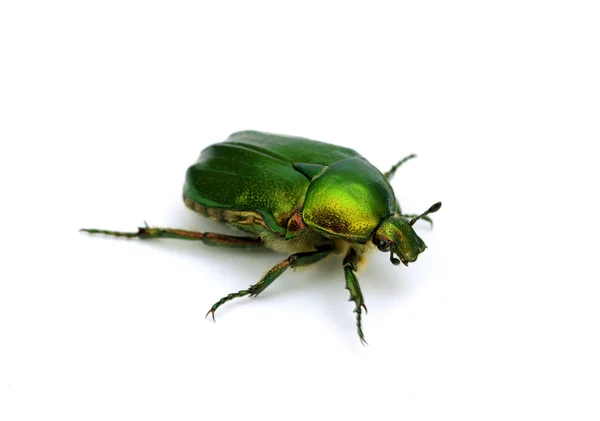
348,200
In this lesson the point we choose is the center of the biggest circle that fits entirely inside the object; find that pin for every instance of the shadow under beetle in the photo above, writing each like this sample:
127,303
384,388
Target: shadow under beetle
297,195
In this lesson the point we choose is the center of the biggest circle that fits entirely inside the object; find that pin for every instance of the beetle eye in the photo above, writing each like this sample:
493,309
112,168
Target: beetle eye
383,244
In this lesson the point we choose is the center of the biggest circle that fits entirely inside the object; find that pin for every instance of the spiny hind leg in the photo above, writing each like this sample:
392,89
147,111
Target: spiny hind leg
295,260
208,238
352,285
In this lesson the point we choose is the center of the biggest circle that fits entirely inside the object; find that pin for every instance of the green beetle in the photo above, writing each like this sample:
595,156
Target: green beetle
296,195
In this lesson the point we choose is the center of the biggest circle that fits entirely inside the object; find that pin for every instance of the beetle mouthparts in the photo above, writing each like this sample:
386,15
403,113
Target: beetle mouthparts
395,261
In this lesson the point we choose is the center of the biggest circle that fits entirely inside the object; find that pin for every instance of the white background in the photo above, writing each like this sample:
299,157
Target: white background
103,105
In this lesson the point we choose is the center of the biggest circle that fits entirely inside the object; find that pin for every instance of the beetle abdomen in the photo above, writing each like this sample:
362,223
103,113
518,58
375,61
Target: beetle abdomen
233,176
248,221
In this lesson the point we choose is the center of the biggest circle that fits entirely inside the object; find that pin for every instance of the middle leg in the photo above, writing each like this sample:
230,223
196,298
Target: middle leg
295,260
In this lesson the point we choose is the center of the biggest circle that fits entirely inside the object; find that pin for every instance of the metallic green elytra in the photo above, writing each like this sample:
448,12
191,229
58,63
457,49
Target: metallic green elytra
300,196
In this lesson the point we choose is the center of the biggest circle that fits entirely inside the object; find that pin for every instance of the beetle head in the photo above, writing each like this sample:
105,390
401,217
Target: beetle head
397,236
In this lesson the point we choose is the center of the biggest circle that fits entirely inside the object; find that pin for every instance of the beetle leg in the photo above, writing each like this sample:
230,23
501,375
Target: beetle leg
295,260
209,238
353,286
388,175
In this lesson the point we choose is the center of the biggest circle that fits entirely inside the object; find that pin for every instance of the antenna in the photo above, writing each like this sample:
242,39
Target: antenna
434,208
